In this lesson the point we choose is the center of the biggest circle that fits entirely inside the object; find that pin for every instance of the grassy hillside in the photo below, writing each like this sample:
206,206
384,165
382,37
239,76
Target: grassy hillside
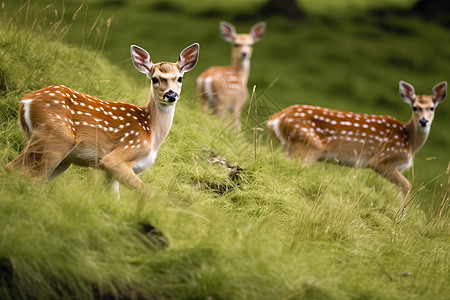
351,62
267,229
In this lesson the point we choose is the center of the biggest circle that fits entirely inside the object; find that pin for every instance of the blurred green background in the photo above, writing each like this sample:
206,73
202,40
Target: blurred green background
347,54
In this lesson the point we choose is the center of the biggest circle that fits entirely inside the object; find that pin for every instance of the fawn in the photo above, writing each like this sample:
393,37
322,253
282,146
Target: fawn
382,143
225,88
65,127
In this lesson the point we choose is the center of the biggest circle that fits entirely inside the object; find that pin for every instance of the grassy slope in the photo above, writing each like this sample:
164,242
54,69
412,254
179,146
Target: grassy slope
278,231
349,64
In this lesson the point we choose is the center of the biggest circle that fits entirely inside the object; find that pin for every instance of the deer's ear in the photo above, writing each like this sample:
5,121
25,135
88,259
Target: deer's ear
439,92
257,31
228,31
188,58
141,60
407,92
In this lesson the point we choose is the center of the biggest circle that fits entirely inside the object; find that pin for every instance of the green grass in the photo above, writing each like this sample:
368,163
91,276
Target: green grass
353,62
276,230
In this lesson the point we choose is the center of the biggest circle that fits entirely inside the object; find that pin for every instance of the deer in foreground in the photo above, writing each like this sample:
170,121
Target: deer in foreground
65,127
382,143
224,89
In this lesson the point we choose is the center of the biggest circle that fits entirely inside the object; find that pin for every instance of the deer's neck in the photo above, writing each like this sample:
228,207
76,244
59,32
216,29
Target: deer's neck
160,121
417,135
242,67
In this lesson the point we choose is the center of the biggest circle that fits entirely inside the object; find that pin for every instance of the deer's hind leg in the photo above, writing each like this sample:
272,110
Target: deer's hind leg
44,154
308,150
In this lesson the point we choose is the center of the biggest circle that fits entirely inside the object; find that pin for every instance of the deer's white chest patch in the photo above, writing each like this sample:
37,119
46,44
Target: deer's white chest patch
144,163
406,165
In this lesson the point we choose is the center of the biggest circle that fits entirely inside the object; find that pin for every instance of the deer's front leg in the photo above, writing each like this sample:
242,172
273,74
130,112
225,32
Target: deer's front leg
114,165
391,173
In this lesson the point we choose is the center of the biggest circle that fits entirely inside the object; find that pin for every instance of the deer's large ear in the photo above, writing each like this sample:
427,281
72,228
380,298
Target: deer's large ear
257,31
407,92
141,60
439,92
188,58
228,31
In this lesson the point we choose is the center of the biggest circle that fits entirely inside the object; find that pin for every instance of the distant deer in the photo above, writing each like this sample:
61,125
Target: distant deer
382,143
224,89
67,127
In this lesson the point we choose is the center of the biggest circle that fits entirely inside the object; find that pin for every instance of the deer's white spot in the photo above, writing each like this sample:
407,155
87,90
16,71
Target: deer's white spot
347,123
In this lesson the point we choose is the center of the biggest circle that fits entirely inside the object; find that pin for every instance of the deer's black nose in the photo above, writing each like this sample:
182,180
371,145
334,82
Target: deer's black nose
423,122
171,96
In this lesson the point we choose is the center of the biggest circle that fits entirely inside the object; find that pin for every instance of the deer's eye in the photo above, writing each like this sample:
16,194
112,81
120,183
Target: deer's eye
155,80
432,108
415,108
180,79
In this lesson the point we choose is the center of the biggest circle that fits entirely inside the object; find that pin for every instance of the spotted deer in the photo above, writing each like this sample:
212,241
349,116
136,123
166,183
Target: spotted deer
382,143
65,127
224,89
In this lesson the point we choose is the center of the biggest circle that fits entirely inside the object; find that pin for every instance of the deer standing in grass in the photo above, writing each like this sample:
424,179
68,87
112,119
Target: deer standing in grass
224,89
65,127
382,143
